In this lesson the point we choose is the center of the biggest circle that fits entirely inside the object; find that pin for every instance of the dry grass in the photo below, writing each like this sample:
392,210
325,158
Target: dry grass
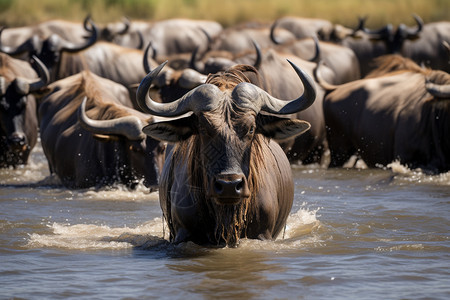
227,12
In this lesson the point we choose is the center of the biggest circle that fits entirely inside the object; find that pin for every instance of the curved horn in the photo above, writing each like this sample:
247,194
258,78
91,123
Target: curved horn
129,126
413,32
322,82
258,60
154,53
70,47
361,22
204,95
146,63
440,91
208,38
273,105
126,23
44,76
316,56
382,33
277,106
140,39
194,64
272,33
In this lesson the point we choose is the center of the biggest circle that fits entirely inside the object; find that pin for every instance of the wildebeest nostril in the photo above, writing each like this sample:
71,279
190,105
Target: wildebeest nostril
218,187
239,185
230,186
17,139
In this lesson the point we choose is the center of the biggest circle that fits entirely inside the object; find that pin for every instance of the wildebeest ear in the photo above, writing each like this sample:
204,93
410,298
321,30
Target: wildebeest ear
172,131
280,129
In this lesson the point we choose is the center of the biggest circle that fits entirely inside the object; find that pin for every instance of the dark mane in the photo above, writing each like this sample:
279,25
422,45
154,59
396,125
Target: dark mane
388,64
98,106
5,68
11,68
248,25
237,74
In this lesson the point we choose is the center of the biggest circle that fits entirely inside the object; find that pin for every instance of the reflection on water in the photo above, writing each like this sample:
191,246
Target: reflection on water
368,233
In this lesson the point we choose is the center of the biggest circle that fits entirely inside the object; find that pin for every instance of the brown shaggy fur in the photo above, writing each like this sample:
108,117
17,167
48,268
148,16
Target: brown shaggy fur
5,68
97,104
11,68
229,79
394,63
228,221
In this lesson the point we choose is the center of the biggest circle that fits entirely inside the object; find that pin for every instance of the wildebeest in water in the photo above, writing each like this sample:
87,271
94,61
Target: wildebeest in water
226,177
18,120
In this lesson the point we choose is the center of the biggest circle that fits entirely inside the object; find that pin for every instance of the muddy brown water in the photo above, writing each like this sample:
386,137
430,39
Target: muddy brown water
352,234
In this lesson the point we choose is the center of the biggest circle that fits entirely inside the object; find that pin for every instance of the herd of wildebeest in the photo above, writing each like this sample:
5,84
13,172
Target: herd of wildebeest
214,117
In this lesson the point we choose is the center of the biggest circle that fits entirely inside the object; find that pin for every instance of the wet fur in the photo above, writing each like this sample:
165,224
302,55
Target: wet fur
228,221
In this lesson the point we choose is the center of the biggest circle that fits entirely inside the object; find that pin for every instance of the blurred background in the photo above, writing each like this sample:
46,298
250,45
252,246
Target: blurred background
227,12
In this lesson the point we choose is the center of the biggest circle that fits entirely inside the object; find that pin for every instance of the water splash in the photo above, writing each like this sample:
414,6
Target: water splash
95,237
149,234
301,222
300,233
121,193
403,173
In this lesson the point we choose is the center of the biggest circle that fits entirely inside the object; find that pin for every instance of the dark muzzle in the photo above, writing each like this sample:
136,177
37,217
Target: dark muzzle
229,188
17,142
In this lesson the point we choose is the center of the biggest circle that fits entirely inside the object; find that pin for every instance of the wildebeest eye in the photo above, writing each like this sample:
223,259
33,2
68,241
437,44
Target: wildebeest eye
251,131
136,148
246,132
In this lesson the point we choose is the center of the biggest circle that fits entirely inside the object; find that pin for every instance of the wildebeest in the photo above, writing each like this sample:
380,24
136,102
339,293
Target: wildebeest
18,117
171,36
394,38
121,34
402,114
101,146
422,43
369,44
214,61
304,27
241,38
49,49
429,48
226,178
341,59
363,44
70,31
108,60
117,63
175,36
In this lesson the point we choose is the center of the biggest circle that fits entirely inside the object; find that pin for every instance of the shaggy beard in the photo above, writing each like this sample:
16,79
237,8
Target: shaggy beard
230,222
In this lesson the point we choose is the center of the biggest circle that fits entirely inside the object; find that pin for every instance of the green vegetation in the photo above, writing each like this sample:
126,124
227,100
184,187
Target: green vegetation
227,12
